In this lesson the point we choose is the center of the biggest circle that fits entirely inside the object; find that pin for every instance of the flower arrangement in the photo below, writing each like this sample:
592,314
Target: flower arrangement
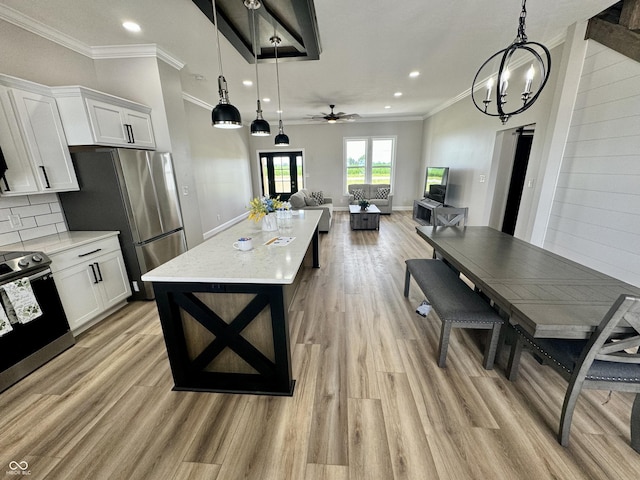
261,206
364,204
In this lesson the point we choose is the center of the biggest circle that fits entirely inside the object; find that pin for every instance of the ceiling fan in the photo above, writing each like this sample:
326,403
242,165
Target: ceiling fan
335,117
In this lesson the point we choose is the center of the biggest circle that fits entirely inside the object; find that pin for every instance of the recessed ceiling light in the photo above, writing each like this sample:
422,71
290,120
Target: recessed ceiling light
414,74
278,111
397,94
131,26
387,106
247,83
266,99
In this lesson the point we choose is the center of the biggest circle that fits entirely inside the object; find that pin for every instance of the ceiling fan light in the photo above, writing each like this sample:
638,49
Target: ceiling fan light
332,120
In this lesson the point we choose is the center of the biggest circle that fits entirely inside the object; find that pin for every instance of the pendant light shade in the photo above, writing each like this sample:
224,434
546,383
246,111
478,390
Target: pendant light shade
224,115
281,139
259,127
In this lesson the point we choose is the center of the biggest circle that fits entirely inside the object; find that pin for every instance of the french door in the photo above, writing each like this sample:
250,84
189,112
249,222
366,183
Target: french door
281,173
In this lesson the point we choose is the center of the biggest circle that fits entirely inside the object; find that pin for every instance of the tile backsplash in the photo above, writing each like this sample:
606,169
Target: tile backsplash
34,216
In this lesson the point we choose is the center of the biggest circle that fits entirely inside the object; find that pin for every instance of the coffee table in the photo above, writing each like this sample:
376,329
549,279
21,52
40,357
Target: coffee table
368,219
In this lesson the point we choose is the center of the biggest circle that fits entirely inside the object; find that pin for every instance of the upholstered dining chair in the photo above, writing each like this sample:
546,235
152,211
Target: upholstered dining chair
609,360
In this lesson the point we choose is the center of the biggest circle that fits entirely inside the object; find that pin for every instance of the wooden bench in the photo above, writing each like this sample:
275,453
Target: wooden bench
456,304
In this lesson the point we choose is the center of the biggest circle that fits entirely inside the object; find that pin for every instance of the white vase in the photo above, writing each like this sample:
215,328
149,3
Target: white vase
269,222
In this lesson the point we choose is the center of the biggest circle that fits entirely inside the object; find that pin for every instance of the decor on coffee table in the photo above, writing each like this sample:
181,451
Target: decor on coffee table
364,219
364,204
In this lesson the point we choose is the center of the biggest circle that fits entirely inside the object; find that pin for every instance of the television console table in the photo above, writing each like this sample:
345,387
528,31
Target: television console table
423,210
224,312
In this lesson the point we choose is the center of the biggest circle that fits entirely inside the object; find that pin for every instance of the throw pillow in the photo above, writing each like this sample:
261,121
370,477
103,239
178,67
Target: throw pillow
319,196
358,194
310,201
297,200
383,192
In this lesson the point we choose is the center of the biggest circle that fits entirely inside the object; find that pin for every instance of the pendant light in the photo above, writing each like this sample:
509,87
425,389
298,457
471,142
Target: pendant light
281,139
259,127
224,115
539,57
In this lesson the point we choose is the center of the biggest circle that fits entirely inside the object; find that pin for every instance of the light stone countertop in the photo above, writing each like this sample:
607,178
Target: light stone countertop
216,261
52,244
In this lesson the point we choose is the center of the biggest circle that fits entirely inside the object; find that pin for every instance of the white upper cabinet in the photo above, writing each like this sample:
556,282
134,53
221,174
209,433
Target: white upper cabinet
95,118
32,140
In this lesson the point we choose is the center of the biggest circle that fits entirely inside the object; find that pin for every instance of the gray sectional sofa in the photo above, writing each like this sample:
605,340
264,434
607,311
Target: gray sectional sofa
302,200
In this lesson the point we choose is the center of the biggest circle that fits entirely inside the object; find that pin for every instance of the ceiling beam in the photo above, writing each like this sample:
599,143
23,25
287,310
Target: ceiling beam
614,36
630,15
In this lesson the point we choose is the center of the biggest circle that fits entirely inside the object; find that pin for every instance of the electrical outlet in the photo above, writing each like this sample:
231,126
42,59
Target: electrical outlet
483,178
15,221
219,216
185,190
530,184
136,288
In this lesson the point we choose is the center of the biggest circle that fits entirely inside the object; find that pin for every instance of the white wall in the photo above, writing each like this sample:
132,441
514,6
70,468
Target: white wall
595,218
323,148
463,139
220,161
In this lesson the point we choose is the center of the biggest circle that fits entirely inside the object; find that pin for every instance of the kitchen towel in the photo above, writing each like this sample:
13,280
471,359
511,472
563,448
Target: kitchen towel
5,324
20,299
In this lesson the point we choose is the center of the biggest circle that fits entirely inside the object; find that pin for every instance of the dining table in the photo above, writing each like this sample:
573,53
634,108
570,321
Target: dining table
548,295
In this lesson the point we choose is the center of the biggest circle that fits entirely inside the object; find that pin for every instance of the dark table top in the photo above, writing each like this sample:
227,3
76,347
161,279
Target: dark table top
549,295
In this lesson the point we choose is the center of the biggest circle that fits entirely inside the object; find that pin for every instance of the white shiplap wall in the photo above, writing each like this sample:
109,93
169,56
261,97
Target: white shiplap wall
595,219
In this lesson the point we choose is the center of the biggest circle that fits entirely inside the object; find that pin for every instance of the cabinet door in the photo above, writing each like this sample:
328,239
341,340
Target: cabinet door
114,281
19,178
45,141
107,123
141,131
79,294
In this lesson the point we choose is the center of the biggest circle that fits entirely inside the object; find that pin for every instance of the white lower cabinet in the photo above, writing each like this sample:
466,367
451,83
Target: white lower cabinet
91,280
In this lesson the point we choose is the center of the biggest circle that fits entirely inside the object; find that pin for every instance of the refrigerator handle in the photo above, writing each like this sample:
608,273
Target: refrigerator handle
93,270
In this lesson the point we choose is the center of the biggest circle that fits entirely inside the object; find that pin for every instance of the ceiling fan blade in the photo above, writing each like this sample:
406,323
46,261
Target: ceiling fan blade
340,114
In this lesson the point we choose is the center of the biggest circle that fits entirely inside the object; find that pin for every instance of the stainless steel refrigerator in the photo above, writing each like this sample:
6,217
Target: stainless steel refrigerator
135,192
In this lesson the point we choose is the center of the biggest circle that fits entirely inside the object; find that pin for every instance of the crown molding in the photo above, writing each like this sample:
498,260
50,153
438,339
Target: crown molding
196,101
95,53
38,28
136,51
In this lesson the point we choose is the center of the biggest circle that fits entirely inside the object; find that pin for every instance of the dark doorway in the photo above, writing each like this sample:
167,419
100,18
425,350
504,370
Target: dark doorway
281,173
518,175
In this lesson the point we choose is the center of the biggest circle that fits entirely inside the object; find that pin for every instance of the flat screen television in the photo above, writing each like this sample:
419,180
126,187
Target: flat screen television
435,184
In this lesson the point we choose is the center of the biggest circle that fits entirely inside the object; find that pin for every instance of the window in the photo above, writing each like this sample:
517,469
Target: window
369,160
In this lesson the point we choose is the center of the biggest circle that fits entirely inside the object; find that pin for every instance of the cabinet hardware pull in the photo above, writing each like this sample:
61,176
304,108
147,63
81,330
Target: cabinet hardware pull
133,139
99,272
89,253
95,277
129,133
6,184
46,178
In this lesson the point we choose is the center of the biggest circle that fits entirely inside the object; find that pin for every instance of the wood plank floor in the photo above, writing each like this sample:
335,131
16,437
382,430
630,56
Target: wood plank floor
370,402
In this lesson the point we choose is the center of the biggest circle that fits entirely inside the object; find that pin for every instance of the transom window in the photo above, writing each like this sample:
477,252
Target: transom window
369,160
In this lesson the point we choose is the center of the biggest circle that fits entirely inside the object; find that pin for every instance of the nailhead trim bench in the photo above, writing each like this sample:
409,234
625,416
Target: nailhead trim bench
456,304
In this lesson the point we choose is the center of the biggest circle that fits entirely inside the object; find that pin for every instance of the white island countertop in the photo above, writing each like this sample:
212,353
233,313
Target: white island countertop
216,261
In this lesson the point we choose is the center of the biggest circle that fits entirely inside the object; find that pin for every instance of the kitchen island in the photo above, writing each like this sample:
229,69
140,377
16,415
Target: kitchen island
224,312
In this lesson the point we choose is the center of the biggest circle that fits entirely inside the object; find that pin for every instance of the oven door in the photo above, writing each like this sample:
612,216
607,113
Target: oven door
30,345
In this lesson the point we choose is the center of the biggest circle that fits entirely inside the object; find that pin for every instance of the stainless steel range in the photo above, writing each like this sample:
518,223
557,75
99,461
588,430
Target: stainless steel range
30,345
